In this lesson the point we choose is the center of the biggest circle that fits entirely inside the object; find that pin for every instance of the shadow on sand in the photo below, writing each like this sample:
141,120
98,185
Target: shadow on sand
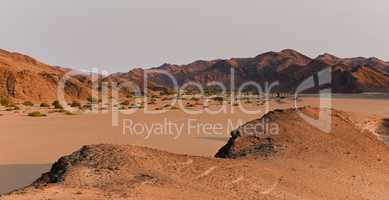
14,177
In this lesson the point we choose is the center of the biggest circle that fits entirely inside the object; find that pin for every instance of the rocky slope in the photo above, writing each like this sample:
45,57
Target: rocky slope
299,162
290,68
23,78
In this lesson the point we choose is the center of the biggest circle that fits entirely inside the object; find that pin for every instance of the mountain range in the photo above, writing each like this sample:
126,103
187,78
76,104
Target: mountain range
24,78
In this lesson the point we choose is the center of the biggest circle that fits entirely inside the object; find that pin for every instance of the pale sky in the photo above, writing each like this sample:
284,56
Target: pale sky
118,35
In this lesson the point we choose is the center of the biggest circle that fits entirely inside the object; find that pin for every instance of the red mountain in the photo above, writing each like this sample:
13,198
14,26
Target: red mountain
24,78
290,68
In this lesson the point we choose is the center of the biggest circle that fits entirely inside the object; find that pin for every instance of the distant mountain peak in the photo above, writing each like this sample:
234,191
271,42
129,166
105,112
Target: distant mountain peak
292,52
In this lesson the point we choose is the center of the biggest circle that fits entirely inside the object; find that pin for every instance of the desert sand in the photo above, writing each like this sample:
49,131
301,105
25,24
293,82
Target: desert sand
25,137
302,163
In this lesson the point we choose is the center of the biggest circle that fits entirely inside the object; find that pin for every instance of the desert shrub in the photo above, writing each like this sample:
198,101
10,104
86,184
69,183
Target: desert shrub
87,106
36,114
194,99
92,99
125,103
28,103
4,102
174,108
44,105
219,99
57,105
75,104
70,113
386,122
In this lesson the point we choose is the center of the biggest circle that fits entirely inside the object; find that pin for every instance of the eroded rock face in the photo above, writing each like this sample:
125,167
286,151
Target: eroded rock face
7,84
59,168
23,78
383,130
244,146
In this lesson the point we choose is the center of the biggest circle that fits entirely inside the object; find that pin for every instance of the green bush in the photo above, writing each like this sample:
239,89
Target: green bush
57,105
218,98
87,107
28,103
44,105
92,99
75,104
4,102
70,113
195,99
36,114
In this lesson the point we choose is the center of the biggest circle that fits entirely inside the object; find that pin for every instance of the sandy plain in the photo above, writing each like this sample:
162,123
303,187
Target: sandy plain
29,145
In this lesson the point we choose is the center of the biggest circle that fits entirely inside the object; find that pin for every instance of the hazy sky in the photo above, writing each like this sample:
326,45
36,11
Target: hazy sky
118,35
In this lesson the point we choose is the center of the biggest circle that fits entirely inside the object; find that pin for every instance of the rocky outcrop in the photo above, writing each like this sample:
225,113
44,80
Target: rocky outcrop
7,87
284,133
23,78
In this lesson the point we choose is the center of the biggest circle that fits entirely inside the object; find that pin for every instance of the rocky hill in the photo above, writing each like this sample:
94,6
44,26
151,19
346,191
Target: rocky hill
23,78
289,67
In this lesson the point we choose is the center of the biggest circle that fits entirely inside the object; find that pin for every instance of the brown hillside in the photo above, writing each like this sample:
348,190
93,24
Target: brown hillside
290,68
23,78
